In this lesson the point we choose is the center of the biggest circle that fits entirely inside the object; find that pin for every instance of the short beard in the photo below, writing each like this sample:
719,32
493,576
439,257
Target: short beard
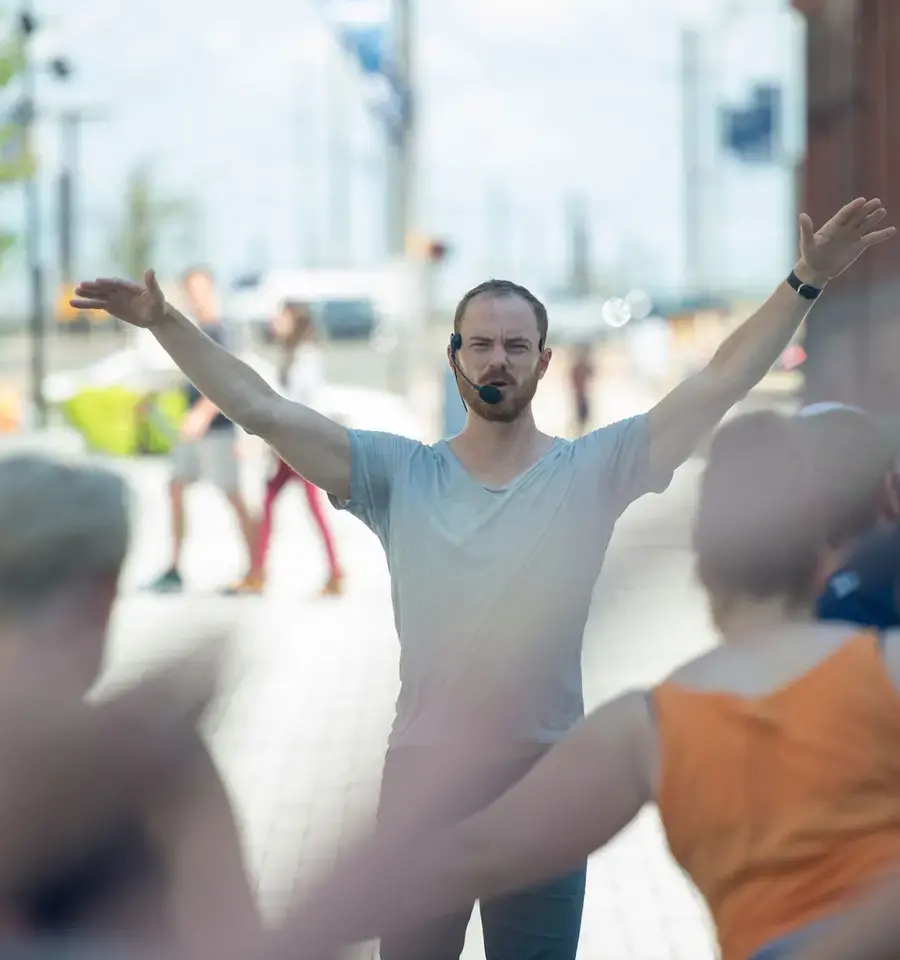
510,408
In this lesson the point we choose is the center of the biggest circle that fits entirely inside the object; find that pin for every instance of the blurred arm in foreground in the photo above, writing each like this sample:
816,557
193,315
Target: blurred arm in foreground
193,825
316,447
681,420
585,790
72,768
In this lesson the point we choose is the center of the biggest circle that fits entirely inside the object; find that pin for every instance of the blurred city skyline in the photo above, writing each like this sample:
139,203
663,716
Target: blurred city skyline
522,106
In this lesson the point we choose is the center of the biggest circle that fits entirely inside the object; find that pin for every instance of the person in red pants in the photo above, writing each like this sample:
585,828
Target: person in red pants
302,378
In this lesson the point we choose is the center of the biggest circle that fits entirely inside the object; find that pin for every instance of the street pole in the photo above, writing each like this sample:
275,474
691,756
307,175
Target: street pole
400,196
37,327
695,280
71,123
339,178
69,130
401,153
498,228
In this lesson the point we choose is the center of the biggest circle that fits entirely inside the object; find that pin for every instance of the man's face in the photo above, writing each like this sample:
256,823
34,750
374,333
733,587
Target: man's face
500,346
203,302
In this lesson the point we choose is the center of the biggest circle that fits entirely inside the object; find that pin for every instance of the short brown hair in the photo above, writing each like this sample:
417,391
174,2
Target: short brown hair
505,288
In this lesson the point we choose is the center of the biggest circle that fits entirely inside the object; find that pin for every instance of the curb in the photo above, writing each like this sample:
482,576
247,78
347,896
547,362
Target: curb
55,441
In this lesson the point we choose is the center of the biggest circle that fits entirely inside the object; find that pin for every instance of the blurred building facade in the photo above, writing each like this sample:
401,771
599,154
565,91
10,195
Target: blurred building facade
853,149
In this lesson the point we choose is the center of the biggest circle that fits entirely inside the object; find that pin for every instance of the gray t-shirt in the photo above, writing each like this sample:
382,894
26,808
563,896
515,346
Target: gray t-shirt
494,584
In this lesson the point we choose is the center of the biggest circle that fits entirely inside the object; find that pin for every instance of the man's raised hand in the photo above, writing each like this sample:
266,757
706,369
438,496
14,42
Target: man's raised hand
828,251
137,304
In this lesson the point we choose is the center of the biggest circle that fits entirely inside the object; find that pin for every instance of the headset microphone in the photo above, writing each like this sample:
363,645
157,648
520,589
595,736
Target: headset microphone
488,393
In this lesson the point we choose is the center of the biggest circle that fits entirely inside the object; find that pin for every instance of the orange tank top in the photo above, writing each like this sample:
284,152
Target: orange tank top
781,808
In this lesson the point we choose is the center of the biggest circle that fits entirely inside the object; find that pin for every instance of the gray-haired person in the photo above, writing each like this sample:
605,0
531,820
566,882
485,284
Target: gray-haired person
164,869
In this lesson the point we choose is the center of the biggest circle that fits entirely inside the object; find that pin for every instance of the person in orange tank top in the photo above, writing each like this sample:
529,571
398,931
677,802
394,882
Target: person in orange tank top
773,759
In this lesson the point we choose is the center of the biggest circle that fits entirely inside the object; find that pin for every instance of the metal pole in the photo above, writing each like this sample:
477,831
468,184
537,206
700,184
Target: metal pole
693,174
37,325
498,229
339,185
401,169
70,124
400,197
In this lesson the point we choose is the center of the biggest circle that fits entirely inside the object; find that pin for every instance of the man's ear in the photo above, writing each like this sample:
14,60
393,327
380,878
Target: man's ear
544,362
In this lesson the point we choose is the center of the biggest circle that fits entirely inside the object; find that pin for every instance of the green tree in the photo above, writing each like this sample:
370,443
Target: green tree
146,224
15,162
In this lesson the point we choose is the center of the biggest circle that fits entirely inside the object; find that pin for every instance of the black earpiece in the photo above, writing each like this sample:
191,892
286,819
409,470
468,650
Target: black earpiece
488,393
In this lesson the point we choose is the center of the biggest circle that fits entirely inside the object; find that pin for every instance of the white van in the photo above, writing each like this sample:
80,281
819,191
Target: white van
347,304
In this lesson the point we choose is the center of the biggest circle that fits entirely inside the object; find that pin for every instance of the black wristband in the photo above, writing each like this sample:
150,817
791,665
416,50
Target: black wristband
805,290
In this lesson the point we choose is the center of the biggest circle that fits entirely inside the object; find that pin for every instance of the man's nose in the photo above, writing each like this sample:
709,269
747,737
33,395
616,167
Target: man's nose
499,356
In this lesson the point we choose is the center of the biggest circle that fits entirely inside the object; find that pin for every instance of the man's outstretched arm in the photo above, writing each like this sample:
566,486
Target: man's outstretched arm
316,447
680,421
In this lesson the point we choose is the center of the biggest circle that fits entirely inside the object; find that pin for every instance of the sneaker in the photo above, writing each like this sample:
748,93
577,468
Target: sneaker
334,586
169,582
252,585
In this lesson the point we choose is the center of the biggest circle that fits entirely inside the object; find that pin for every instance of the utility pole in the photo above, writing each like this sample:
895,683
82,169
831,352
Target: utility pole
400,196
691,88
27,113
401,186
69,130
498,228
37,321
71,123
339,170
580,279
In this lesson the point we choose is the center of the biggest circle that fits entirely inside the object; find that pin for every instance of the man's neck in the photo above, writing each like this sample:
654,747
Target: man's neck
42,642
742,620
488,441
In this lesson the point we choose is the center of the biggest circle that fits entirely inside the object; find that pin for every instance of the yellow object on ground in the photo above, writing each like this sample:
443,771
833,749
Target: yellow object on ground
122,422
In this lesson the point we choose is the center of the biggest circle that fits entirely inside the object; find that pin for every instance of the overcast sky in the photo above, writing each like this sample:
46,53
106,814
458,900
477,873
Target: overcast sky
523,103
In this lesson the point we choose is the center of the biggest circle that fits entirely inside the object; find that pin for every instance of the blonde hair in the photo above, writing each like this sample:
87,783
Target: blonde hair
59,522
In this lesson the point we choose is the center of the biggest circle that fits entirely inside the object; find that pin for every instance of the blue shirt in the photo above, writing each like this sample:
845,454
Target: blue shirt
216,332
864,589
491,585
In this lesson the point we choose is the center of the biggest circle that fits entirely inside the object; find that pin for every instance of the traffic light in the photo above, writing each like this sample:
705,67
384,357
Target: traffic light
751,130
427,249
437,251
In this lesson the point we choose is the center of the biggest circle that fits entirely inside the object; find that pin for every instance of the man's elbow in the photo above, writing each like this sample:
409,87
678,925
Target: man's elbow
260,418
